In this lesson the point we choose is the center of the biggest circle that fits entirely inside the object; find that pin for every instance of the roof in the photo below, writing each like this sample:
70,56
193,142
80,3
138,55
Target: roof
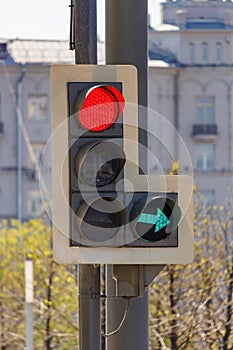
164,27
43,51
158,53
158,63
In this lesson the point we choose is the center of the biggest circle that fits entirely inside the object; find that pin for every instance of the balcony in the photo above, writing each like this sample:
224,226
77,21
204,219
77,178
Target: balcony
205,132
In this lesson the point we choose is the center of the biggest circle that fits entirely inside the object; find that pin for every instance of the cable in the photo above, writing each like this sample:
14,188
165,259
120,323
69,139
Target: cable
72,41
106,335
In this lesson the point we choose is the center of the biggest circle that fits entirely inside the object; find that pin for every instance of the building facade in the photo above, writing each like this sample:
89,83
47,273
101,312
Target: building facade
25,166
191,84
25,123
25,169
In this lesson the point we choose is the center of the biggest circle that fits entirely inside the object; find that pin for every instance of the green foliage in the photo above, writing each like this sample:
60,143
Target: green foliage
55,289
191,306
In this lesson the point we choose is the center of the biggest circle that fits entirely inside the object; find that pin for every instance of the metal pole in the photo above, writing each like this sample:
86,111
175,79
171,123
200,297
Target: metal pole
19,179
89,308
126,40
29,326
85,39
85,32
29,303
126,43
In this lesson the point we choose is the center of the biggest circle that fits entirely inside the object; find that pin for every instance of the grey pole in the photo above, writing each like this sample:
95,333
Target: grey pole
89,308
29,326
85,32
29,303
126,43
19,178
85,41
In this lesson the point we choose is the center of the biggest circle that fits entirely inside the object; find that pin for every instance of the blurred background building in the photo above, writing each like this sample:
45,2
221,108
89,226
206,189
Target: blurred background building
25,121
190,84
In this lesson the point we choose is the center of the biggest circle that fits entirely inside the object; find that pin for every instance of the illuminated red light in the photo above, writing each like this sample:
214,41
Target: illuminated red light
101,107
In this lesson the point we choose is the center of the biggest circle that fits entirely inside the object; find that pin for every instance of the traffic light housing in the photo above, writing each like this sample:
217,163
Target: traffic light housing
104,211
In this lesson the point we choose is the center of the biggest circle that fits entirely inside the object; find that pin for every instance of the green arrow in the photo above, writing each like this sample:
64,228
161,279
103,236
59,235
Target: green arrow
160,220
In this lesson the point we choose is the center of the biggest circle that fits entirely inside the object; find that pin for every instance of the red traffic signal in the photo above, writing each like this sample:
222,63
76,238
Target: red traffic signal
99,107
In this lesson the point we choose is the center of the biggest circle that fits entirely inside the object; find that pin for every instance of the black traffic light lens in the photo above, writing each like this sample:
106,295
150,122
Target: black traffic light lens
99,164
109,172
102,224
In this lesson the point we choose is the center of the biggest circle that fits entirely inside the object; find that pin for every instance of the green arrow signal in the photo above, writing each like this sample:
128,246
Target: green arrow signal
160,220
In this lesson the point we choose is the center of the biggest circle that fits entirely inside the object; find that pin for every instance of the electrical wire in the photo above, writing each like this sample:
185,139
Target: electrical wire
72,42
117,330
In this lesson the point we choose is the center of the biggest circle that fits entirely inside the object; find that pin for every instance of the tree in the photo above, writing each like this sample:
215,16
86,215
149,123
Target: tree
55,289
191,305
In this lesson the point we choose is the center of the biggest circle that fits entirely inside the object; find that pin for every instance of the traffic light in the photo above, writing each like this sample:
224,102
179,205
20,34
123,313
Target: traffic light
96,162
104,211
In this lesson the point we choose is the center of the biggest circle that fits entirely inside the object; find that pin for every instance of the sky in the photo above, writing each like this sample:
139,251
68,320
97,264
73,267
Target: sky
49,19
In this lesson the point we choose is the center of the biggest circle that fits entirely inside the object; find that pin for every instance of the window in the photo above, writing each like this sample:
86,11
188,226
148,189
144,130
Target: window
205,53
218,53
205,110
35,207
37,156
192,53
205,156
37,107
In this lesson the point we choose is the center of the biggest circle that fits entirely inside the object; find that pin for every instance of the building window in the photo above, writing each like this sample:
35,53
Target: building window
192,53
205,156
36,157
218,53
35,207
205,53
37,107
205,110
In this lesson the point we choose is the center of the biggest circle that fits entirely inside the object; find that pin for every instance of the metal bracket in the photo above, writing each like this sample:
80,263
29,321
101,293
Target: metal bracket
131,280
150,272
